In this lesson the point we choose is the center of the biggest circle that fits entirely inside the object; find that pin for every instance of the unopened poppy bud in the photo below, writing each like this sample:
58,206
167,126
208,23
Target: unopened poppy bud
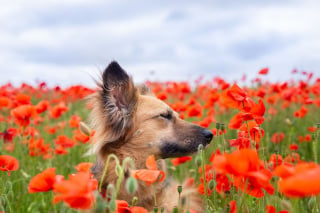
131,185
112,205
312,202
222,127
285,204
134,200
155,209
318,125
198,161
84,128
218,126
211,185
179,188
175,209
162,209
288,122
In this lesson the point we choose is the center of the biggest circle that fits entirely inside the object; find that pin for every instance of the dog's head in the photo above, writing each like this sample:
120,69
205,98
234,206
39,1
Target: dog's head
131,118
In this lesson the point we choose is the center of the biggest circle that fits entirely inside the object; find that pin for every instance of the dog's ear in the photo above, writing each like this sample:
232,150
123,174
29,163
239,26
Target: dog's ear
120,97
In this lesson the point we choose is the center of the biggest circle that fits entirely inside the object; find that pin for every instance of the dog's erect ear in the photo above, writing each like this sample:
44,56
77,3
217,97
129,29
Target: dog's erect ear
120,97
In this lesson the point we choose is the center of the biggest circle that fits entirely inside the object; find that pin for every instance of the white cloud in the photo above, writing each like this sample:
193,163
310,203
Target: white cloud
59,41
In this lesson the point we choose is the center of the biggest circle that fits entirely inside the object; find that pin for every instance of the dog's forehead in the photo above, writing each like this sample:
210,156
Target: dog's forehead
149,105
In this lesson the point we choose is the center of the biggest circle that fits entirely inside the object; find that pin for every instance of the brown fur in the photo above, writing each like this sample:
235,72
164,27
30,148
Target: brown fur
131,122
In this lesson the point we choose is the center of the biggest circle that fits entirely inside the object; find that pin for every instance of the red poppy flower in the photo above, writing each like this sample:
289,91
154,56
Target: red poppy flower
235,97
8,134
264,71
58,110
64,141
22,114
5,102
300,180
275,160
233,206
256,132
123,207
249,174
293,147
42,106
77,192
151,174
8,163
43,181
307,138
181,160
277,137
81,137
270,209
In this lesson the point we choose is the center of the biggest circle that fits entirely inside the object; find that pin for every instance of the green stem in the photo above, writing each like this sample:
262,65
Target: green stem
106,168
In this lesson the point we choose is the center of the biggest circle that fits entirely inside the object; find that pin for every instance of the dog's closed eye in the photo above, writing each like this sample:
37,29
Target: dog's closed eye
167,115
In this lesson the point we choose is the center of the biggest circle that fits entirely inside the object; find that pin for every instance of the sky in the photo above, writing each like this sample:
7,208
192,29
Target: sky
72,41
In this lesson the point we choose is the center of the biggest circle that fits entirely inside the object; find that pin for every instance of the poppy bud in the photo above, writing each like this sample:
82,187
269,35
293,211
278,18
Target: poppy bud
222,126
112,205
134,200
179,188
218,126
312,202
162,209
131,185
211,185
318,125
285,204
198,161
155,209
84,128
288,122
175,209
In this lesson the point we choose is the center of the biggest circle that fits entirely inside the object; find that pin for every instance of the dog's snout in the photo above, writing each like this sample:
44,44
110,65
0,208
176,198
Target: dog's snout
208,135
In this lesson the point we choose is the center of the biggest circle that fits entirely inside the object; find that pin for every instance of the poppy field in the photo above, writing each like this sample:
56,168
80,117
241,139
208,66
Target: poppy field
264,156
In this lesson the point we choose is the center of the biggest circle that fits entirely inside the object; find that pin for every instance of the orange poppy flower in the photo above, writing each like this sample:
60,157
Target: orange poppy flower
300,180
23,99
5,102
8,163
44,181
84,167
181,160
77,192
22,114
74,121
151,174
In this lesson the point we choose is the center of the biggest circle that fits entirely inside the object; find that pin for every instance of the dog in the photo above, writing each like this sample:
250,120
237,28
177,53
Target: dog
129,121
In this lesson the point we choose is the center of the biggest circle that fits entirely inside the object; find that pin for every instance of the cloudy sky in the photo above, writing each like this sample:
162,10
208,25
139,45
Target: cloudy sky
71,41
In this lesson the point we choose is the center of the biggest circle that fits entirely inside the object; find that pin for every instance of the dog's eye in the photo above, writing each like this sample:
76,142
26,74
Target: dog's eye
167,116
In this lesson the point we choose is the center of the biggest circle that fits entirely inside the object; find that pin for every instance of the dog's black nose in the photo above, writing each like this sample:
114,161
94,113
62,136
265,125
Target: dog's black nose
208,135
